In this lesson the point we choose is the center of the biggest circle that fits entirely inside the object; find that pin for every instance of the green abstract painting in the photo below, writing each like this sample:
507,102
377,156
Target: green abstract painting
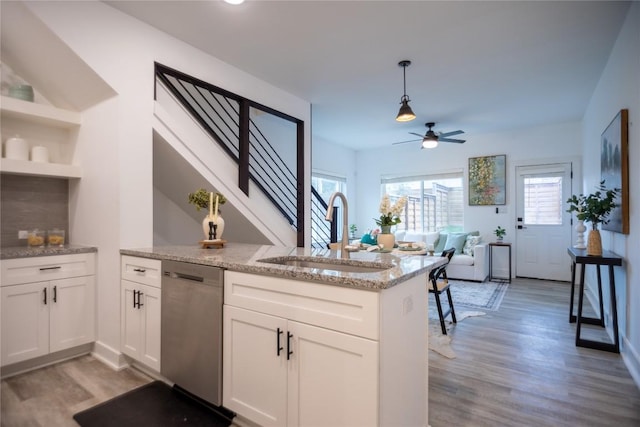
487,180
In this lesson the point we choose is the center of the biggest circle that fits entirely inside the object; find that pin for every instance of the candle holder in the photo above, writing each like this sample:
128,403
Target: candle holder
212,230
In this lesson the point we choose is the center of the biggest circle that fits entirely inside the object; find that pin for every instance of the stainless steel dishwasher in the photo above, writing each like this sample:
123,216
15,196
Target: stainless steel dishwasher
191,334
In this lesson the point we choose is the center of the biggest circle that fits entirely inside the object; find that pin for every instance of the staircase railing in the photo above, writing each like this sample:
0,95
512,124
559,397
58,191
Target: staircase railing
322,231
227,119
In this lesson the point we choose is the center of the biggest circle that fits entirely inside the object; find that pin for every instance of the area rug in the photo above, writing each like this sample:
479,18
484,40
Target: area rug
483,296
153,404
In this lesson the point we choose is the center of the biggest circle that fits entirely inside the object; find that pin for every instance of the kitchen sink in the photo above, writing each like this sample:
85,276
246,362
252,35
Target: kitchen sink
348,266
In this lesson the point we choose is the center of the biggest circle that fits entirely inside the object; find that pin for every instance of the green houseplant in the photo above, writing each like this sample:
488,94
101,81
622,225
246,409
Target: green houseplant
200,199
595,209
500,233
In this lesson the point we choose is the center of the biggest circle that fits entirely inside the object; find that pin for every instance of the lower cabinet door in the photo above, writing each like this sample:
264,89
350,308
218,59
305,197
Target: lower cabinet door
333,380
131,322
150,336
140,325
255,366
25,321
71,312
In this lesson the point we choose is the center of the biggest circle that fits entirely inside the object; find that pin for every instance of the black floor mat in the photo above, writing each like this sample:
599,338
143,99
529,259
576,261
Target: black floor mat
154,404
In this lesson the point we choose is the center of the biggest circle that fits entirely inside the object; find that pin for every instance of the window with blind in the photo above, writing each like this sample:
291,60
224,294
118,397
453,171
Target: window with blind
543,200
434,202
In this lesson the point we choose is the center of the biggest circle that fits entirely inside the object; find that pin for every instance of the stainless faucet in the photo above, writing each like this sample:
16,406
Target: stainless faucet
345,219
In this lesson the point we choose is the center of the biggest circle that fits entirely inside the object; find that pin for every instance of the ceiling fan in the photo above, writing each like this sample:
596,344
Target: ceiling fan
431,138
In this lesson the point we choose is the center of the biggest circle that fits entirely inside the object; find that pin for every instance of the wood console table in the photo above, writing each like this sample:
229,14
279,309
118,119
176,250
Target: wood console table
579,256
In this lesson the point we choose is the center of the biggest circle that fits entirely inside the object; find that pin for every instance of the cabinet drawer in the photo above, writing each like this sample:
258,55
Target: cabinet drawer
349,310
141,270
38,269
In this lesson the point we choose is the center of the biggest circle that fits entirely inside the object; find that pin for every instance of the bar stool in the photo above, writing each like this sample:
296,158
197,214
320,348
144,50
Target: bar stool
439,283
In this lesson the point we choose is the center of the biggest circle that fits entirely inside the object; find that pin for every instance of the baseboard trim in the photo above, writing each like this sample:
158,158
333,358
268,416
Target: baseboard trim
46,360
109,356
631,359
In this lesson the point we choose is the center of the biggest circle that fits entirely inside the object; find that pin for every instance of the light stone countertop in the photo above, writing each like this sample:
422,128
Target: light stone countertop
243,257
26,252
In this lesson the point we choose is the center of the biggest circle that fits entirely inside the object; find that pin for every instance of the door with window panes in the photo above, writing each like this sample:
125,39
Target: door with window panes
543,230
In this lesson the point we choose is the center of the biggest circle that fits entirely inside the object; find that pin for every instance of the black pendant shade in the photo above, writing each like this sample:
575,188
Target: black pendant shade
405,114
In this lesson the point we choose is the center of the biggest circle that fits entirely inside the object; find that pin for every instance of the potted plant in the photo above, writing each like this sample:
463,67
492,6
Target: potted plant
203,199
500,233
353,229
390,216
595,209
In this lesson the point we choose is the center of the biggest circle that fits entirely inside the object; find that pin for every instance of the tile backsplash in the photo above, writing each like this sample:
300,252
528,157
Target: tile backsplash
28,202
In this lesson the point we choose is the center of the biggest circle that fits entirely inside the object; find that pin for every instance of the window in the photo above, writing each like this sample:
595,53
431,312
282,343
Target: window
325,185
434,202
543,200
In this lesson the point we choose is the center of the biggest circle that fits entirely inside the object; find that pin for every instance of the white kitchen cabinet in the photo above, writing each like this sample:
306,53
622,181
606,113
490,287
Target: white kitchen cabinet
45,125
299,353
44,316
297,379
140,309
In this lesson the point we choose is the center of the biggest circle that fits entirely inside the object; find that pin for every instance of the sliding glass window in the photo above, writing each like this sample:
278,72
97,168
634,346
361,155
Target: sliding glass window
435,202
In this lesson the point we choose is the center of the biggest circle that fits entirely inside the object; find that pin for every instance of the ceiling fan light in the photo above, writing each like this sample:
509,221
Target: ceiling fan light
406,113
429,142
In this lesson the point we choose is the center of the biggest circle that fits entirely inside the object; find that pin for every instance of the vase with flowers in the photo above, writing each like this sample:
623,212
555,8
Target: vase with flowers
595,209
203,199
389,216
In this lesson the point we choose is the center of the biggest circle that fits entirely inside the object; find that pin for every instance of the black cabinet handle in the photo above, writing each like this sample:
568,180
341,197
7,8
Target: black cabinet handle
55,294
45,295
289,352
135,294
139,270
50,268
280,348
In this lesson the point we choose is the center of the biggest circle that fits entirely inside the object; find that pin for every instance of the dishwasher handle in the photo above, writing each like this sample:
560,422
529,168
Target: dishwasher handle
183,276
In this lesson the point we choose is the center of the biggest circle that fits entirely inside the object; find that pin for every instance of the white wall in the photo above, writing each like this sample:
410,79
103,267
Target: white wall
618,88
114,208
537,145
337,160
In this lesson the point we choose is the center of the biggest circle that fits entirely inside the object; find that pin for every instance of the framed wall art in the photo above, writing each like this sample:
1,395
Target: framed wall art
614,169
488,180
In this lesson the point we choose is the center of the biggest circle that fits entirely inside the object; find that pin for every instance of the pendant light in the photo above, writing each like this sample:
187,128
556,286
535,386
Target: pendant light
405,114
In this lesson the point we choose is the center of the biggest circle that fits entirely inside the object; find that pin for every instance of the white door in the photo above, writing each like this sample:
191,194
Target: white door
254,381
333,378
543,231
71,313
25,321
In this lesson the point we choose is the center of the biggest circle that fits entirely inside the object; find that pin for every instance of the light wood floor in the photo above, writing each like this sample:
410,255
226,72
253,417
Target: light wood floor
48,397
515,367
519,366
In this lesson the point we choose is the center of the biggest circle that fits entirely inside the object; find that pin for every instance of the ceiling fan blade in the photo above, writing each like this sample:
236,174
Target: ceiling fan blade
455,132
404,142
458,141
417,134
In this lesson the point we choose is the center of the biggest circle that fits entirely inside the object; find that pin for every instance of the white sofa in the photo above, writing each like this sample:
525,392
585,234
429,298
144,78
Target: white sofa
461,266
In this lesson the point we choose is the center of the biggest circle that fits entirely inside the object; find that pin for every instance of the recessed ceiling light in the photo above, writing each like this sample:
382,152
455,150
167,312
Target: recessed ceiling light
234,1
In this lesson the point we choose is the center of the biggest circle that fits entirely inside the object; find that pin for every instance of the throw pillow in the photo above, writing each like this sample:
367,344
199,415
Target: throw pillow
431,238
470,243
456,240
440,244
